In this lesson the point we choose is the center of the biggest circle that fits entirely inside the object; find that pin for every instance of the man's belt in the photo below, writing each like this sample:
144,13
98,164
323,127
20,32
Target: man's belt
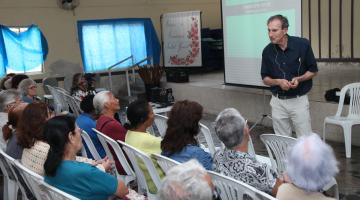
284,97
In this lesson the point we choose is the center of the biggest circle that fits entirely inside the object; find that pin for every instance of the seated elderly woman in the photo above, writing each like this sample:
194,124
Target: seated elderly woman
106,106
62,171
186,182
27,89
179,142
140,116
311,164
234,160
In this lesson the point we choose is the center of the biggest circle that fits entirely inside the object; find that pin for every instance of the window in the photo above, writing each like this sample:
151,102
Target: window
23,49
106,42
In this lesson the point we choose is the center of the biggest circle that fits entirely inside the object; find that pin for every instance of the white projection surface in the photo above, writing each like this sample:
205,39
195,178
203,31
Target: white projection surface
245,35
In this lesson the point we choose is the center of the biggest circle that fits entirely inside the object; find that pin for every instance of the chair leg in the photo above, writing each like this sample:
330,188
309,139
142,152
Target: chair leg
347,138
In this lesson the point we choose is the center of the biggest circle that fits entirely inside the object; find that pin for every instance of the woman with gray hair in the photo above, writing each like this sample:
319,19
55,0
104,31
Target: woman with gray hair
311,165
187,181
27,89
234,160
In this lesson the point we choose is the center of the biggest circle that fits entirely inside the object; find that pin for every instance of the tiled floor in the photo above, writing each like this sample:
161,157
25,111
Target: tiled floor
348,178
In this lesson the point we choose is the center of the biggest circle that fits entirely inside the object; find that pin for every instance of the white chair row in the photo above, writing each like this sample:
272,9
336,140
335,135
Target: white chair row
63,101
31,185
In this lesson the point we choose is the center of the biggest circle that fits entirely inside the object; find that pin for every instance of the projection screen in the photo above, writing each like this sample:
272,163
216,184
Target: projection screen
245,35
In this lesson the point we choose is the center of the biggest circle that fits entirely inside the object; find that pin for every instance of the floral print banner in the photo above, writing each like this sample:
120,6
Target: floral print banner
181,33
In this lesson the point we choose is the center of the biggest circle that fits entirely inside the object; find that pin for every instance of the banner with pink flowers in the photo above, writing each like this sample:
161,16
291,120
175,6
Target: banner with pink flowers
181,34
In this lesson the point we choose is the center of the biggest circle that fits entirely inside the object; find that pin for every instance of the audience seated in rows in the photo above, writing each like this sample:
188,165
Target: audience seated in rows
234,160
106,105
79,179
79,88
27,89
140,117
8,99
179,142
187,181
31,138
311,164
86,121
10,131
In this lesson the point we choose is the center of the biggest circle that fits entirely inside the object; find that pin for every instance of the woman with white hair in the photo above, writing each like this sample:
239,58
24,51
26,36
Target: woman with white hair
27,89
234,160
187,181
106,106
311,165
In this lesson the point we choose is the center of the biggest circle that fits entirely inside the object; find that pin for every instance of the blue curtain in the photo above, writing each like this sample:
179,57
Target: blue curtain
22,51
106,42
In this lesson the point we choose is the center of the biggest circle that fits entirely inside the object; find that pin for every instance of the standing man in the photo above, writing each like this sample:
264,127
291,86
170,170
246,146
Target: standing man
288,66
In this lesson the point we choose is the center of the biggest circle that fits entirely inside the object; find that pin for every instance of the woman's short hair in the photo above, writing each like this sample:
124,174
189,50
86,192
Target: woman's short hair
24,85
137,113
87,104
311,163
182,126
186,182
99,101
7,97
31,124
56,133
229,127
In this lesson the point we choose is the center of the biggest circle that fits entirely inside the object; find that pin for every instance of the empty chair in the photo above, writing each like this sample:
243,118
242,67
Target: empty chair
135,156
277,147
90,145
231,189
105,141
161,123
165,162
73,104
352,118
49,81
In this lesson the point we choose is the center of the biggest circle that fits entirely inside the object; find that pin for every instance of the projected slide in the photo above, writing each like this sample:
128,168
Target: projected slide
245,35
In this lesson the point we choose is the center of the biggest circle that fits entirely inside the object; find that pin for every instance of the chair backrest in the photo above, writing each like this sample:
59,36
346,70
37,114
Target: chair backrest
205,131
165,163
277,147
60,105
353,89
55,194
90,145
14,174
105,141
73,104
161,124
231,189
136,155
49,81
31,178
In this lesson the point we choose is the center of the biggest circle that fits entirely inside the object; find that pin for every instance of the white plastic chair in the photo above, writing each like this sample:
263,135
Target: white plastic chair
231,189
31,178
55,194
352,118
205,131
161,124
59,104
9,181
105,141
89,143
164,162
72,103
15,174
277,147
136,155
